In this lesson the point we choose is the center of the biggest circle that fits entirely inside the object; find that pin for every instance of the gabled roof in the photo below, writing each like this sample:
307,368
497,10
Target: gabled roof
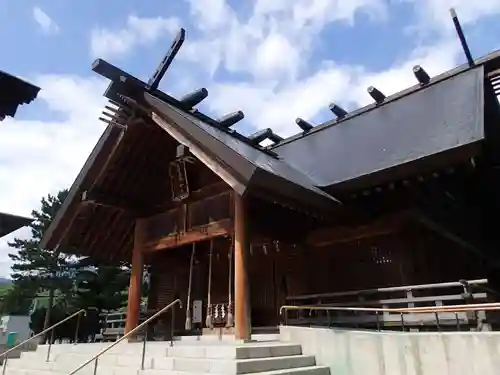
243,167
374,145
10,223
14,92
416,131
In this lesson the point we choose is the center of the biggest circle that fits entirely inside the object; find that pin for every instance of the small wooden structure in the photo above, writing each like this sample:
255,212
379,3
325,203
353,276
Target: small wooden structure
396,193
13,92
10,223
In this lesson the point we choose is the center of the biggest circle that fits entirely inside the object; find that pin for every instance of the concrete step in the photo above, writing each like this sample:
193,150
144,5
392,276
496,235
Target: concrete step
310,370
181,350
215,337
241,366
69,363
153,347
117,363
246,351
190,355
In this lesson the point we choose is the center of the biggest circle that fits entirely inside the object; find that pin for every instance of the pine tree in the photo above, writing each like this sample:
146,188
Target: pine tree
38,269
100,286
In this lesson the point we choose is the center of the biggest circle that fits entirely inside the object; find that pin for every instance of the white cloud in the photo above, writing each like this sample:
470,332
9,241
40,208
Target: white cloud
211,14
273,47
275,40
43,20
42,157
435,13
137,31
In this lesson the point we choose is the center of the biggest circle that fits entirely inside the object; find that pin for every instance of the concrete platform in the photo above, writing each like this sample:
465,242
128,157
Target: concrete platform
189,355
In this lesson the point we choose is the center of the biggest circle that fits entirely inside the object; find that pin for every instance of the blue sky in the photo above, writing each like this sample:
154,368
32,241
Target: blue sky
274,59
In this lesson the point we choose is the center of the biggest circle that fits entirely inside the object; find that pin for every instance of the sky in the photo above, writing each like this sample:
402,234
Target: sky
275,60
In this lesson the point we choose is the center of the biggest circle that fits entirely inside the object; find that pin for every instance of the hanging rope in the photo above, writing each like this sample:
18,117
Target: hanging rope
188,324
208,320
230,317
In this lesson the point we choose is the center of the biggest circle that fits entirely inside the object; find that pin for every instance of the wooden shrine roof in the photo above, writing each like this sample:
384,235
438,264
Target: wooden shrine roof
433,123
249,168
426,127
14,92
10,223
126,176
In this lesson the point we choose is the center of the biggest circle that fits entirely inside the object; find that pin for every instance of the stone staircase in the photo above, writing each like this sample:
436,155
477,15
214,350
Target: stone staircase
190,355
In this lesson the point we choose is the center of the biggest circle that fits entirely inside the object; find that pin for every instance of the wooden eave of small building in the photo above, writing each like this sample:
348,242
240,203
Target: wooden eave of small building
14,92
10,223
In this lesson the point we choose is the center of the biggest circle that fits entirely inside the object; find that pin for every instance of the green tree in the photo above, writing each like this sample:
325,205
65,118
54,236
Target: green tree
35,268
17,301
100,286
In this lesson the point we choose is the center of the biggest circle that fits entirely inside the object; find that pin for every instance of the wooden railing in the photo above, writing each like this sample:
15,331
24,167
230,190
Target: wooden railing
407,296
384,300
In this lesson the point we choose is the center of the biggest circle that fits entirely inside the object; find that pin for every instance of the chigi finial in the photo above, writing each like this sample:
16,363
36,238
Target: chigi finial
376,94
303,124
421,75
337,110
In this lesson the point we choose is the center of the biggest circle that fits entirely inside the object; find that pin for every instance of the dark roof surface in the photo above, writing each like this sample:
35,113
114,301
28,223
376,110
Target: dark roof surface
14,92
437,118
252,167
10,223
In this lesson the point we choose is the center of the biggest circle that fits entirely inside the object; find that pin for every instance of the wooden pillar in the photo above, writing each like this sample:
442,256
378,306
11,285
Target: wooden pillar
241,287
134,289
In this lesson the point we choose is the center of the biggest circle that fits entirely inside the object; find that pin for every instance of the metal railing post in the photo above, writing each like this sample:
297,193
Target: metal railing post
4,366
172,324
144,347
470,308
127,336
42,334
77,328
51,339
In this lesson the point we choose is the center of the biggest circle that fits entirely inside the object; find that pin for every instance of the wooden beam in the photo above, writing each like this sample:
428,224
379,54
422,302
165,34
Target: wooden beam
445,232
134,290
333,235
203,233
242,309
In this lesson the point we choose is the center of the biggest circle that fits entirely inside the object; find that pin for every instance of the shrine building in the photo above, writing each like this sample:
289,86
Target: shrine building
400,192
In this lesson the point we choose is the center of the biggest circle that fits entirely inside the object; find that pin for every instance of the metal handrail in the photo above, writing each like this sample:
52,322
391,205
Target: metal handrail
5,354
422,309
401,311
127,335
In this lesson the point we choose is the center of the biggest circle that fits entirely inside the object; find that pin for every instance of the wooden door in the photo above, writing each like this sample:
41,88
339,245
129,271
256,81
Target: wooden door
263,293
